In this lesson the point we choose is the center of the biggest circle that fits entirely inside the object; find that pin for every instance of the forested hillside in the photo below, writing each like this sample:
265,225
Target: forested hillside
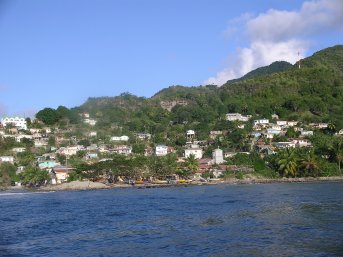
313,93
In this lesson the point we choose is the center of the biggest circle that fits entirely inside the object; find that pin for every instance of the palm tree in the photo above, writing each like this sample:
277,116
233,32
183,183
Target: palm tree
191,163
339,158
288,163
309,164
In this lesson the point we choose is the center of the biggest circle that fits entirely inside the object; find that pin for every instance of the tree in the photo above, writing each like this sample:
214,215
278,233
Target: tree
287,162
7,174
34,177
308,165
49,116
191,163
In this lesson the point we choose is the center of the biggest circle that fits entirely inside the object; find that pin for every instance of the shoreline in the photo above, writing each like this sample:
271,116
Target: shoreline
89,185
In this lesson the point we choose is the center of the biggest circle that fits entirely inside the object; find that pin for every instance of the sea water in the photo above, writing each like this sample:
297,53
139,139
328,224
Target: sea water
303,219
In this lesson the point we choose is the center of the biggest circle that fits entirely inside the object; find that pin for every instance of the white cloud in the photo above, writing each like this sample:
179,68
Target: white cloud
279,35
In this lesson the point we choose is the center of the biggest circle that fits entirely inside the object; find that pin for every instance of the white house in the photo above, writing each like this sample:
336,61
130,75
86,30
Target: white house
40,143
9,159
292,123
307,133
18,149
90,121
281,123
194,150
237,117
122,149
92,134
301,142
19,123
121,138
161,150
217,156
71,150
261,122
190,134
285,145
143,136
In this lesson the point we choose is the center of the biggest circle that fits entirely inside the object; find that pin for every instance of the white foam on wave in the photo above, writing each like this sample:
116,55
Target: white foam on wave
22,193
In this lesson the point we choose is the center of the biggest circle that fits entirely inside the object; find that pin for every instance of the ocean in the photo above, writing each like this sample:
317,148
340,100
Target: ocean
290,219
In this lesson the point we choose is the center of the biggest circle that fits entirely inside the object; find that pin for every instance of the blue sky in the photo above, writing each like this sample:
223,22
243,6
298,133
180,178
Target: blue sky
60,52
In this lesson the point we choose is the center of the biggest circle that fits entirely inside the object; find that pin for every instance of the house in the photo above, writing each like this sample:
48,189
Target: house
41,143
90,121
122,149
319,125
9,159
306,133
292,123
300,142
19,123
281,123
34,130
237,117
119,139
217,156
273,131
283,145
161,150
92,134
60,174
194,150
262,122
143,136
190,135
340,132
18,149
255,134
70,150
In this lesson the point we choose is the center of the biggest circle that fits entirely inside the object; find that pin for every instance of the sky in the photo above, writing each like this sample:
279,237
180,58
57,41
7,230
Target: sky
60,52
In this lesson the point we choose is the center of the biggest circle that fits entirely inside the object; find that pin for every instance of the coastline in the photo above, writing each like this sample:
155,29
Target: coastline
89,185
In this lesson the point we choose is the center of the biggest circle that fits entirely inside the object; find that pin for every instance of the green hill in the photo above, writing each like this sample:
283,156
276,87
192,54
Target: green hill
313,93
275,67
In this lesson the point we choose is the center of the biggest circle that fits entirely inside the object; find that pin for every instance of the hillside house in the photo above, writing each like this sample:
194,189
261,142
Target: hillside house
9,159
121,149
60,174
237,117
17,122
194,150
18,149
262,122
120,139
143,136
161,150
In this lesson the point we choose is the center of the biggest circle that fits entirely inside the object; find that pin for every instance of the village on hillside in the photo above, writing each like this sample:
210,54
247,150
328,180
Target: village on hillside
43,154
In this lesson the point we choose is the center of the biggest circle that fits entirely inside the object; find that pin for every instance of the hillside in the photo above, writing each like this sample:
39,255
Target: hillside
313,93
275,67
